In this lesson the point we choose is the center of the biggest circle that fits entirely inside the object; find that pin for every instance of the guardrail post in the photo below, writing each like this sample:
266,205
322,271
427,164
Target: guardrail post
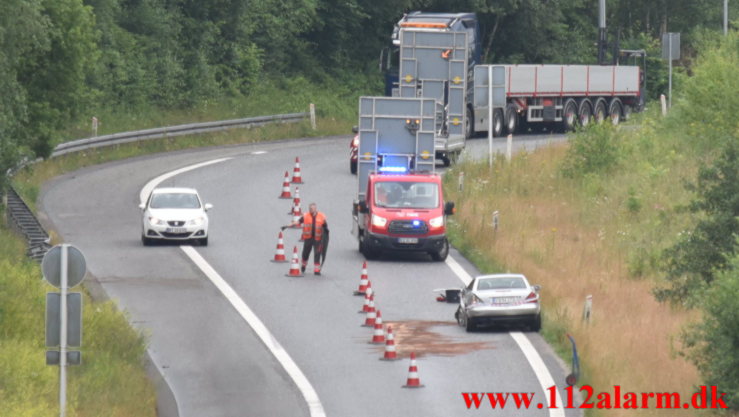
313,116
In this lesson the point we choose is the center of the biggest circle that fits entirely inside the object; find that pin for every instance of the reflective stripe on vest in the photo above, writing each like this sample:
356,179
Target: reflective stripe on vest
308,225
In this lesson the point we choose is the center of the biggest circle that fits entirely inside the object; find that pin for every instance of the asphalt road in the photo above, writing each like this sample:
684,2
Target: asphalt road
213,361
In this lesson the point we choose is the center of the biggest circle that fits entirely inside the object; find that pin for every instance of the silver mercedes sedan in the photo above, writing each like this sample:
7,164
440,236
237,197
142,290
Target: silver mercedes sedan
499,298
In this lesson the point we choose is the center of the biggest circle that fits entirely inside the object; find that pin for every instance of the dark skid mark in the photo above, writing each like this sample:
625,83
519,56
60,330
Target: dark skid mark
432,338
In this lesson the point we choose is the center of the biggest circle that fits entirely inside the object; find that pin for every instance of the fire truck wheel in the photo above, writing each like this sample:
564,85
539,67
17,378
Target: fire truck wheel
441,254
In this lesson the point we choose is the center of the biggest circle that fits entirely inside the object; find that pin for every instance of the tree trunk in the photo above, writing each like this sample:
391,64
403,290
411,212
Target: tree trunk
489,45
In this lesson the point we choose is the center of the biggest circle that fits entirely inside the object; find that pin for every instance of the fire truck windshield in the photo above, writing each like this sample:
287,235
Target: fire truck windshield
406,194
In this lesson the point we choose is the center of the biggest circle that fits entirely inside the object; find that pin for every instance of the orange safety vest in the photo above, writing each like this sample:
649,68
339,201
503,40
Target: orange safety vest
308,225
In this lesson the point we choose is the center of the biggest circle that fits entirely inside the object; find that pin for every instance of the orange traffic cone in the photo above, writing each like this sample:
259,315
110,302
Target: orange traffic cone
296,172
367,297
296,200
378,336
286,187
362,281
295,265
296,209
390,354
413,380
371,314
280,252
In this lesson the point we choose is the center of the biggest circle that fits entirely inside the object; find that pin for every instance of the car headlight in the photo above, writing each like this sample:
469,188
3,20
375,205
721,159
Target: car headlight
378,221
197,221
437,221
157,222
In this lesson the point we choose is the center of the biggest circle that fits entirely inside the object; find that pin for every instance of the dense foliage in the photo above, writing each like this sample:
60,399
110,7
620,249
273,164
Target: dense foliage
62,58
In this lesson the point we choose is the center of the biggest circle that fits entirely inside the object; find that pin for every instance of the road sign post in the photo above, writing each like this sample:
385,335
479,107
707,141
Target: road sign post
670,51
63,266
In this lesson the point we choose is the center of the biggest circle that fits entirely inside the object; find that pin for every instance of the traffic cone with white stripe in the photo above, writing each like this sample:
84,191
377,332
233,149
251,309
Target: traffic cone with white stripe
286,187
378,336
296,200
367,297
297,179
371,314
295,265
363,280
280,252
296,218
390,353
296,208
413,380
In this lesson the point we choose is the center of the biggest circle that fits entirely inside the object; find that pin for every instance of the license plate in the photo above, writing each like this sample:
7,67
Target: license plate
176,230
503,300
408,240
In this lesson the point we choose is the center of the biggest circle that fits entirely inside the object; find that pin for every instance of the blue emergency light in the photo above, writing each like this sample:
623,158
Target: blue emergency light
416,223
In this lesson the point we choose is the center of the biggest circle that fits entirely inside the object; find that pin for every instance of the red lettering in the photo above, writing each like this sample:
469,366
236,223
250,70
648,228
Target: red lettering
472,397
630,398
645,396
553,396
716,401
604,401
589,391
523,398
497,398
700,396
665,397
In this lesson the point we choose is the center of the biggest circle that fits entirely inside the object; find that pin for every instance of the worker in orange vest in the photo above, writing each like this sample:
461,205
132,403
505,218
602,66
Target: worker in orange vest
315,237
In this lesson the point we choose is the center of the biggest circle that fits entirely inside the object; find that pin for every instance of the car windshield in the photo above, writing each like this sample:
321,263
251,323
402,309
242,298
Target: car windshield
501,283
406,194
174,201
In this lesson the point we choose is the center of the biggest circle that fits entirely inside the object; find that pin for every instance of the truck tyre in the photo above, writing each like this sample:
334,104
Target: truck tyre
585,112
498,123
569,115
511,119
614,111
599,114
441,254
469,124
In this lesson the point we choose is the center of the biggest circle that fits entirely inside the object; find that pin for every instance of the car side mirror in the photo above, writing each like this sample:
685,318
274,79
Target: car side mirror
449,208
355,129
537,288
142,206
362,206
208,206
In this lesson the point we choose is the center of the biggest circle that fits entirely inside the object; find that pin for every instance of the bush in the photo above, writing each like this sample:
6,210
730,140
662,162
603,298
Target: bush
594,150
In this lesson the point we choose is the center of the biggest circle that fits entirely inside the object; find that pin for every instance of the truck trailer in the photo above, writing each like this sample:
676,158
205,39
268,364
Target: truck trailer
400,201
561,95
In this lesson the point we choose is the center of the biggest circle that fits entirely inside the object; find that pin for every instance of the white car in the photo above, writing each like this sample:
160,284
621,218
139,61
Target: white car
174,214
499,298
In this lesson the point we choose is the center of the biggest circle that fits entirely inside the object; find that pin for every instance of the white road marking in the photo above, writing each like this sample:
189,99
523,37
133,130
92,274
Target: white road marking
536,362
144,195
305,387
301,381
258,152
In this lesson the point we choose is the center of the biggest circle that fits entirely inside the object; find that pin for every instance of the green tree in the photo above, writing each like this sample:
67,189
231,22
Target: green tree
713,344
693,262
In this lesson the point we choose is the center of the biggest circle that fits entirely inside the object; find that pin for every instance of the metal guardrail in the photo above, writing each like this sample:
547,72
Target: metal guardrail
21,217
179,130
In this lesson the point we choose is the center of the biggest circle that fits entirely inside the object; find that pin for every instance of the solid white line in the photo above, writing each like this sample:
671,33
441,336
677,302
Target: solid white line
536,362
144,195
540,369
301,381
305,387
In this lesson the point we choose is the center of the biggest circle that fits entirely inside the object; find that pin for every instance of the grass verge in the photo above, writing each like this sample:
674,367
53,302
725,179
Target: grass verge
598,235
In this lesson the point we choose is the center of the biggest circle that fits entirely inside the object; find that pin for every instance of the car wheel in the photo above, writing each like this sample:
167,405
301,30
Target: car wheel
441,254
469,324
353,167
366,250
536,323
